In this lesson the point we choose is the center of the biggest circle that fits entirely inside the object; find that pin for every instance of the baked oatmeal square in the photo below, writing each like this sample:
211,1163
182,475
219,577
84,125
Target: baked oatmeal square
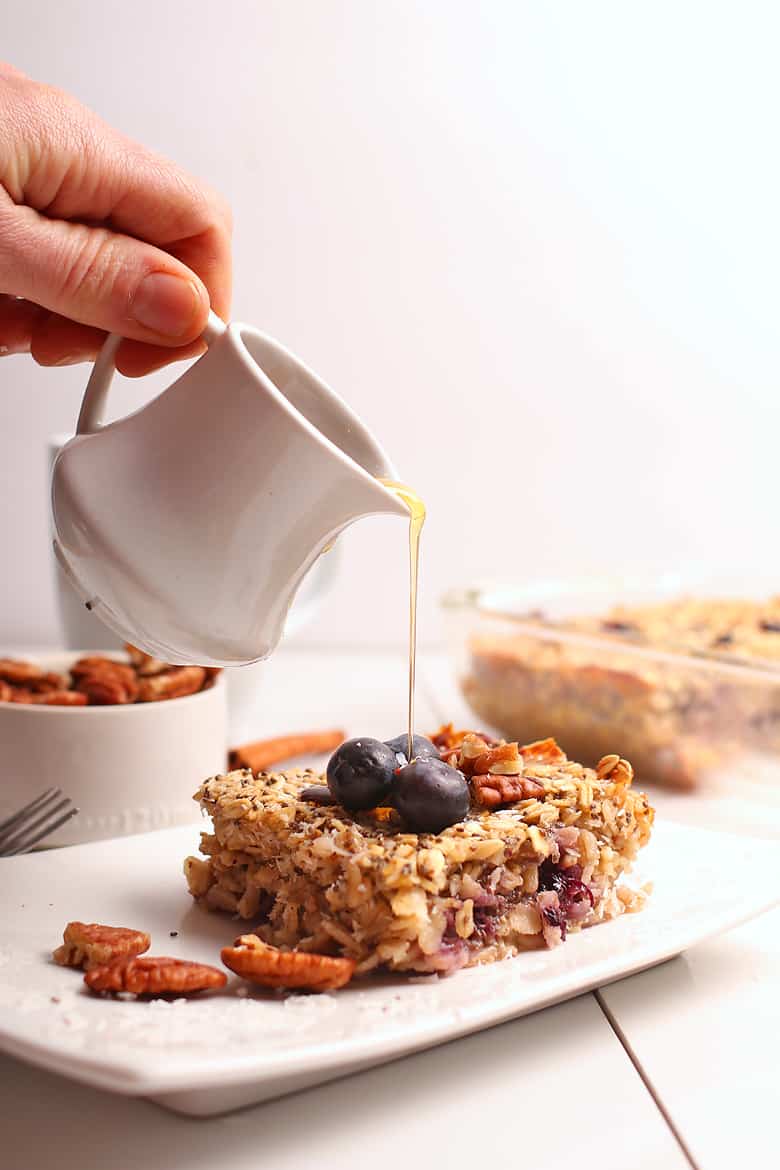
540,854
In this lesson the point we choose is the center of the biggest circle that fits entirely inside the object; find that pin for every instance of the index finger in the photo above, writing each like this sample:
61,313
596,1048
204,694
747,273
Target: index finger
105,178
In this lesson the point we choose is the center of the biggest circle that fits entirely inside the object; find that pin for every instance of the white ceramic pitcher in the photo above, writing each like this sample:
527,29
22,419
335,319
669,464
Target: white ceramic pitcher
188,526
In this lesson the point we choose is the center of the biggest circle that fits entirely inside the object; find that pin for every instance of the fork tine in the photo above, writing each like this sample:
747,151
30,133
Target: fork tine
28,809
43,814
49,828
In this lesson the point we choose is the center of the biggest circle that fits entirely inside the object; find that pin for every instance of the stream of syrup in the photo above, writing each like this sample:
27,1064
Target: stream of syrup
416,520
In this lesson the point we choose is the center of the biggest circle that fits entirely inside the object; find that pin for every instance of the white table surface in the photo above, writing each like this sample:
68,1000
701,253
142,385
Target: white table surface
671,1068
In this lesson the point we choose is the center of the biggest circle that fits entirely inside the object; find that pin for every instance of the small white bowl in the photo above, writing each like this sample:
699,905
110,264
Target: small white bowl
128,768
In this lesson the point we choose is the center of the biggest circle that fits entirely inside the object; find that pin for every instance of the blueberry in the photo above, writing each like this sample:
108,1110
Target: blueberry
430,795
423,748
360,773
318,794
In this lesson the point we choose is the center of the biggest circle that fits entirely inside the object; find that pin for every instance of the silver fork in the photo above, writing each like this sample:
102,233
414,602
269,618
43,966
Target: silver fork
38,819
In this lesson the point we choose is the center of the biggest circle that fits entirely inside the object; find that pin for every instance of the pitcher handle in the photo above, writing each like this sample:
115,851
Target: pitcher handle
94,400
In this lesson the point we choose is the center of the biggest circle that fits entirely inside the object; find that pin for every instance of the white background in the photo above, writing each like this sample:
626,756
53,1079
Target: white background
534,245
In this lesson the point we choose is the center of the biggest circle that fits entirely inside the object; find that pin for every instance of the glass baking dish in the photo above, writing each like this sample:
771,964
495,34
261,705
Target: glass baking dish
682,716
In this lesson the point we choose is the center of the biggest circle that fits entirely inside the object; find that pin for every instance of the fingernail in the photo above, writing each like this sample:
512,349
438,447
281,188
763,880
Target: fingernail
166,304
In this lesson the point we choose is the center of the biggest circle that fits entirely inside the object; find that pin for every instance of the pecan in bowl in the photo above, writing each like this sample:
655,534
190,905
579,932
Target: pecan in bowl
99,681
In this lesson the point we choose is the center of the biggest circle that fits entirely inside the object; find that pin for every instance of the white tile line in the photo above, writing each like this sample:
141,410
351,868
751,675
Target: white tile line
646,1081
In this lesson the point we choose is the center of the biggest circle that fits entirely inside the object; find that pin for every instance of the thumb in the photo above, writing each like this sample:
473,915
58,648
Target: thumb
100,278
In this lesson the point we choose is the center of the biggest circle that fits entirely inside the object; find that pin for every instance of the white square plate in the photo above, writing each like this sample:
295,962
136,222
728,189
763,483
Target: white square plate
218,1052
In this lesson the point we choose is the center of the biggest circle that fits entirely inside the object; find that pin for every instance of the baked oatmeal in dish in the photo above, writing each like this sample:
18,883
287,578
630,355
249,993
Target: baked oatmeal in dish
540,852
746,631
679,686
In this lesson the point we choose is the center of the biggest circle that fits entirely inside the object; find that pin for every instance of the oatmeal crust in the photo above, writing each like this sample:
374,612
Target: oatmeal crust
318,878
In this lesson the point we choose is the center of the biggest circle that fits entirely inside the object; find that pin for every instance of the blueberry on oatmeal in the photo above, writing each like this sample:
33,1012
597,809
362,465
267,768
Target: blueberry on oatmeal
318,794
422,748
430,795
360,773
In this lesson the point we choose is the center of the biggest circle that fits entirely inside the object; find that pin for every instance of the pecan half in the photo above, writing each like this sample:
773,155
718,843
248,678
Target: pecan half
106,690
502,760
98,664
492,790
154,975
47,698
465,757
89,944
103,691
48,681
543,751
33,678
447,738
105,681
254,960
172,683
144,663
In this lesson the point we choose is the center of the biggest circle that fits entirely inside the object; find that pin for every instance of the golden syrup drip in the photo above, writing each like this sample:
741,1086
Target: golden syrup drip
416,520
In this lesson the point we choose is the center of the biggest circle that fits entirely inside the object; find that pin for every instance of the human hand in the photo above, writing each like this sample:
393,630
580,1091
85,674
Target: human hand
97,235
